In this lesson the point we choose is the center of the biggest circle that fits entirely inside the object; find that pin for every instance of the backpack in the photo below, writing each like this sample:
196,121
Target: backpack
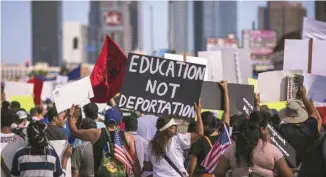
110,167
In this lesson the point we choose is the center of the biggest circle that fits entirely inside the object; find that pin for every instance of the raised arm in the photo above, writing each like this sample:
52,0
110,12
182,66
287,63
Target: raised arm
311,110
226,115
91,135
199,125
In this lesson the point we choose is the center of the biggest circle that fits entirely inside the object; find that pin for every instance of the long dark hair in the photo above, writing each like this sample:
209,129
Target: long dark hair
211,122
36,132
160,140
248,137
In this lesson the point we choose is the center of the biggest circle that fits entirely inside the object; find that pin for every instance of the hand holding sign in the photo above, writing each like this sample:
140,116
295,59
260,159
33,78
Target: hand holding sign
198,107
223,84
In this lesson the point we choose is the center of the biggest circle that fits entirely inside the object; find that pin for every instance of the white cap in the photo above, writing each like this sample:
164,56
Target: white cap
169,124
22,114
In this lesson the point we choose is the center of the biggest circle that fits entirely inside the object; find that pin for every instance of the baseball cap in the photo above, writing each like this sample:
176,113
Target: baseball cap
112,117
22,114
91,110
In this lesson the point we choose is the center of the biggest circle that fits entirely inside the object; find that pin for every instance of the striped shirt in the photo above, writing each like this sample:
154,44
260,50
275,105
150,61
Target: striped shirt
29,162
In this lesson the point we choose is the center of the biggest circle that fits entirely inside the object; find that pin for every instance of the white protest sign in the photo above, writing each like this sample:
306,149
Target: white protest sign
296,56
8,151
47,90
316,87
78,93
190,59
313,29
214,64
272,85
18,89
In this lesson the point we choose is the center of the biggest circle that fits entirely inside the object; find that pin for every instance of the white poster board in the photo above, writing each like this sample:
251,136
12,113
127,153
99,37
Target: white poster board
316,87
313,29
272,85
190,59
78,93
8,151
296,56
18,89
47,89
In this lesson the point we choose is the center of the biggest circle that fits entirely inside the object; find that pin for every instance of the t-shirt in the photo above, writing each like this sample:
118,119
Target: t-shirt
82,159
31,162
100,125
200,149
175,150
265,156
10,138
300,136
56,133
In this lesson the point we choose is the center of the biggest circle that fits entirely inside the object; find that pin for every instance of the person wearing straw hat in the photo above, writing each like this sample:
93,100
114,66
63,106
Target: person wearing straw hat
300,124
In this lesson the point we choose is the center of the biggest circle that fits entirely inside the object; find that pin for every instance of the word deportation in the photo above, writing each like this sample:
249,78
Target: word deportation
165,67
159,107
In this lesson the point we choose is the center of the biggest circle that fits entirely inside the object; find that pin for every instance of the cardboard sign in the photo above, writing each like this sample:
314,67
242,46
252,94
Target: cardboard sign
18,89
241,97
160,86
287,150
26,102
293,85
8,151
272,85
78,93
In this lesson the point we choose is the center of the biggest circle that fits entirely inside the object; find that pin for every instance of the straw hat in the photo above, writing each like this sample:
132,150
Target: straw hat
294,113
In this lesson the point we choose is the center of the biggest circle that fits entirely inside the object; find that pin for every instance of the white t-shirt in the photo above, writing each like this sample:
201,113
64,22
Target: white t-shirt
10,138
175,148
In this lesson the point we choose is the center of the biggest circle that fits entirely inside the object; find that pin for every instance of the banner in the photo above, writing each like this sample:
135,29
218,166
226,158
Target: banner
161,86
18,89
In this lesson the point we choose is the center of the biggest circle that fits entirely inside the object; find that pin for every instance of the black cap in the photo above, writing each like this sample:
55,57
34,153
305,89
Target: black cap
91,110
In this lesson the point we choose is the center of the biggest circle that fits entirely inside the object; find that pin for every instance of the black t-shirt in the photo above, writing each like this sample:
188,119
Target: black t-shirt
300,136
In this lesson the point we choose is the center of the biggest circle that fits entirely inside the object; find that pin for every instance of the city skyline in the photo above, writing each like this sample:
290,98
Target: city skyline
16,24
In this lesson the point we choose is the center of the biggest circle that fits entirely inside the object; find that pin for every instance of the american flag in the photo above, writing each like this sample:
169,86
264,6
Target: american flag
121,154
211,159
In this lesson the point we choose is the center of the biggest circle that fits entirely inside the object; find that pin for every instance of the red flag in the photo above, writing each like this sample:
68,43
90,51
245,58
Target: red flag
108,72
38,85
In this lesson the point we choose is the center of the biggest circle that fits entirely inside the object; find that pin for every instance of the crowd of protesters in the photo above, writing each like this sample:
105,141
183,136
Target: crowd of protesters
156,147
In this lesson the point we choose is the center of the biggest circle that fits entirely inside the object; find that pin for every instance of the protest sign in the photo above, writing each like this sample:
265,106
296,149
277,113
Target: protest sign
195,60
18,89
287,150
296,56
161,86
254,83
272,85
47,89
78,93
275,105
212,97
8,151
233,65
313,29
26,102
293,85
316,87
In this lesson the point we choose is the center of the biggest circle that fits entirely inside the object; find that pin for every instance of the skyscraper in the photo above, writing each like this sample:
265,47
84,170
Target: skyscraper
119,19
284,17
213,19
47,32
320,10
178,26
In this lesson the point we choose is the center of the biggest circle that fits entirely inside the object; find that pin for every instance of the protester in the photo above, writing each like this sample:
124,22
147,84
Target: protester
15,106
57,121
36,113
141,143
165,151
82,161
91,111
7,136
21,123
251,154
39,158
109,138
302,124
212,129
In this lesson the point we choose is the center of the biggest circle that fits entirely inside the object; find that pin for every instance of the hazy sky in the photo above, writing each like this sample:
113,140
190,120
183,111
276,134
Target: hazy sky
16,24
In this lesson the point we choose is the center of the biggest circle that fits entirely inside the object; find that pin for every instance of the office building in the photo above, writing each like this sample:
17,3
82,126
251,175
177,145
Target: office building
213,19
47,32
74,43
320,10
119,19
178,26
283,17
